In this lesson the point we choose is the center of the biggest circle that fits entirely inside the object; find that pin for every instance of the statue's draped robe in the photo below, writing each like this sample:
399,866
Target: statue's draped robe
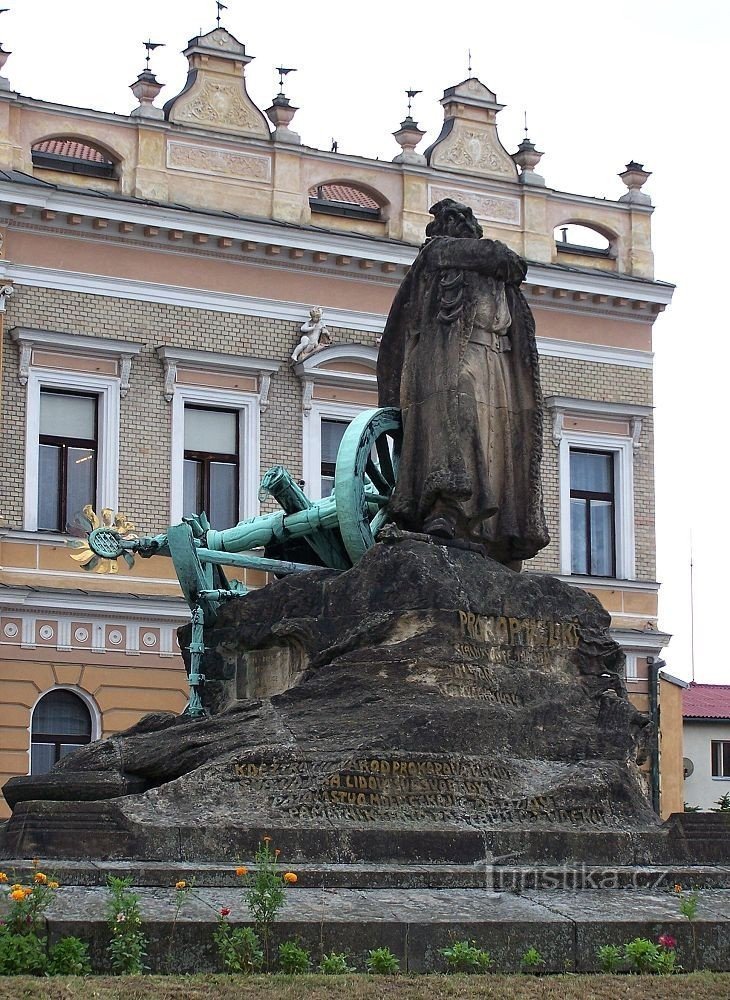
472,411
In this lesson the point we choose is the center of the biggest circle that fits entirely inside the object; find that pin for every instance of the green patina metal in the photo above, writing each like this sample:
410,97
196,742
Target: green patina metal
338,529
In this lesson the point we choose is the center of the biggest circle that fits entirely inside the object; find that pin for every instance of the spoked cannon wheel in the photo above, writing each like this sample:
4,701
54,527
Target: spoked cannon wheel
365,475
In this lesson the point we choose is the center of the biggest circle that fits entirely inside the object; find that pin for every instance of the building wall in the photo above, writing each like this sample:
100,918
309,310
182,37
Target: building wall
700,788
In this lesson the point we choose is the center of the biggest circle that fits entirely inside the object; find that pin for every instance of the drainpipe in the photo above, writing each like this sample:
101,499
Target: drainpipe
654,665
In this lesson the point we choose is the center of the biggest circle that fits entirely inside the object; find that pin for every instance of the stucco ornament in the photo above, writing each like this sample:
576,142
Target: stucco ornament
315,335
474,149
114,526
219,104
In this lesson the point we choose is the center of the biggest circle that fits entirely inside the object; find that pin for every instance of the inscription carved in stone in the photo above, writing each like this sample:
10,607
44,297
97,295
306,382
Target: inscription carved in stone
209,160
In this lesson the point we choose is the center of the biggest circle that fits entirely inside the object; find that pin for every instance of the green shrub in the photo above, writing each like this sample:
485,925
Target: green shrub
69,957
21,954
382,962
464,956
532,961
642,955
610,957
239,948
335,964
666,963
127,948
294,960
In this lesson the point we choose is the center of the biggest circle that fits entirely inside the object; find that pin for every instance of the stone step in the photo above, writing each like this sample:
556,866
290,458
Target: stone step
566,927
500,877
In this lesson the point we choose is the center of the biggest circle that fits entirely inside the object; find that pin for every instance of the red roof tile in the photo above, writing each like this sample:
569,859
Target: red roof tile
343,193
706,701
72,148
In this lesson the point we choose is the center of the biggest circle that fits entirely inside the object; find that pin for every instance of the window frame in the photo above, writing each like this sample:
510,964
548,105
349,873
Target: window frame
718,777
106,389
93,708
64,443
207,458
622,449
247,406
312,441
589,496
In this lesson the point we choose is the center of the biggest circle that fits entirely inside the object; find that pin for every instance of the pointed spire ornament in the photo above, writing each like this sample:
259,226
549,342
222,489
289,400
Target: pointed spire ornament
409,135
527,158
146,87
282,111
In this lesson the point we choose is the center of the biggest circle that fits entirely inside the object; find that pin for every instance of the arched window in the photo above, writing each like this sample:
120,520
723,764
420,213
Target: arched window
578,239
61,724
348,200
73,156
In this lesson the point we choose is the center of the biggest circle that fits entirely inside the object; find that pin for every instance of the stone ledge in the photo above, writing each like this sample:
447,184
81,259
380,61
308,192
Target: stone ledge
566,927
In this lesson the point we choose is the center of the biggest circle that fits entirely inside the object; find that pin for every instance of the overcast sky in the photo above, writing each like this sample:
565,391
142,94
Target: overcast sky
602,83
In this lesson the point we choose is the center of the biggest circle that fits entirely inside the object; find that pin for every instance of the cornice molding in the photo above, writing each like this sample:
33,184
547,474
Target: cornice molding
174,358
562,406
66,602
77,344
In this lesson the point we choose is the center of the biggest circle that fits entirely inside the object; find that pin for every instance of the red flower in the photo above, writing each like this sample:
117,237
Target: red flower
667,941
225,910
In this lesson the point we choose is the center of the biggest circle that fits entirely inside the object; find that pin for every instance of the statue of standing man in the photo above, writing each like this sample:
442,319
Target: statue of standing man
459,357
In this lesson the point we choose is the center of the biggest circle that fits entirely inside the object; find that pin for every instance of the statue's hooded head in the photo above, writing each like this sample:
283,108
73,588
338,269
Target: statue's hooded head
451,218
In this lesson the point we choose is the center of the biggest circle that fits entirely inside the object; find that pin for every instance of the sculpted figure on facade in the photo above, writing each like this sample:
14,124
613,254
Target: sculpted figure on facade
315,335
459,357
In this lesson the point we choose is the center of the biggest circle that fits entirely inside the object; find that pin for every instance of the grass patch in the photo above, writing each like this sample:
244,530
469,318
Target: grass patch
698,986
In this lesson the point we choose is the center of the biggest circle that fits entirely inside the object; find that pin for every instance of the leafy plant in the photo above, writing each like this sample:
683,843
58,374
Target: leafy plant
21,954
128,946
294,960
532,961
691,809
265,893
382,962
335,964
239,948
688,906
609,956
666,963
464,956
723,803
69,957
642,955
27,904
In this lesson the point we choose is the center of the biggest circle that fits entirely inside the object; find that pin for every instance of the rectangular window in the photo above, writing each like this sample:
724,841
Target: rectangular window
331,433
592,513
211,461
67,457
721,758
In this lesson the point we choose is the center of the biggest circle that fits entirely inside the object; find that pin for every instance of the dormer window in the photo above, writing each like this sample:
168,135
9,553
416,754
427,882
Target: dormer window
73,156
346,200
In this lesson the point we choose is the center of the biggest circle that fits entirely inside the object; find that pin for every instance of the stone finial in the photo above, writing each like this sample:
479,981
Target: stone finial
146,88
214,96
469,142
409,135
282,111
527,158
635,177
4,56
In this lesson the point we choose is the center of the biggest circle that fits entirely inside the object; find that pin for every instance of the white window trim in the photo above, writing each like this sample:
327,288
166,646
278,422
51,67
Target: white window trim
247,405
622,448
632,665
94,712
106,388
312,439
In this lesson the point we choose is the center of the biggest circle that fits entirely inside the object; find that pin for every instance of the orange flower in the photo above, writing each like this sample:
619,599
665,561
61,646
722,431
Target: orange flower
182,884
53,885
27,892
242,870
40,878
266,839
17,895
290,878
3,877
16,887
277,852
678,887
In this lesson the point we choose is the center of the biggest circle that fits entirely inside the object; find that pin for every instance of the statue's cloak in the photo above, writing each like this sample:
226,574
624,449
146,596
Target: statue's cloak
472,416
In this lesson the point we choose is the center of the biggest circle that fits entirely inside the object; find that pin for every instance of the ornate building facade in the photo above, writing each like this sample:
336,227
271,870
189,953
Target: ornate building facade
156,272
